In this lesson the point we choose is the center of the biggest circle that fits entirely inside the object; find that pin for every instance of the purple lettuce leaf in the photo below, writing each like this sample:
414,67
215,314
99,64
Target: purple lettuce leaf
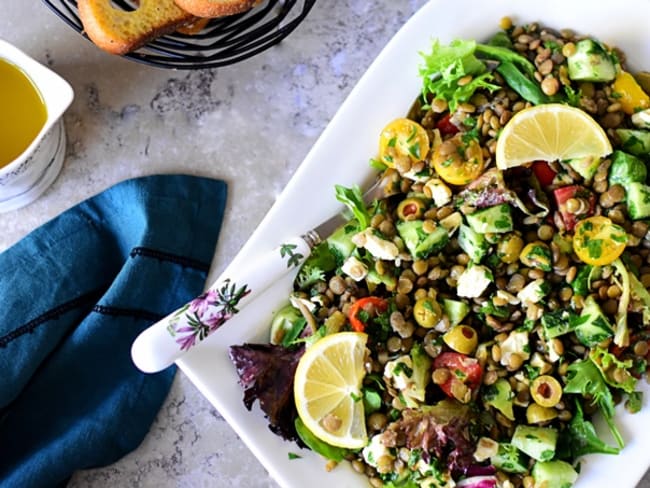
266,373
443,430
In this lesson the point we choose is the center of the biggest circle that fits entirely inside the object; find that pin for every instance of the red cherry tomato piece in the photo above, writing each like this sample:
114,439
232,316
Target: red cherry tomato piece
464,369
564,194
446,127
545,175
356,322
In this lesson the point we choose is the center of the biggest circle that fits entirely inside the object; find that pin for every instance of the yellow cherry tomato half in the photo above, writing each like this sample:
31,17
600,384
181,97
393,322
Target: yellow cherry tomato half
631,95
458,160
598,241
403,138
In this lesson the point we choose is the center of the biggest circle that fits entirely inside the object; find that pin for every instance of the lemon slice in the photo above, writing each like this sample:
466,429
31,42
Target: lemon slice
550,132
327,389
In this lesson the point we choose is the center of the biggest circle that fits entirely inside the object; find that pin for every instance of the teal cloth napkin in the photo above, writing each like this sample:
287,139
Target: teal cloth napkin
74,294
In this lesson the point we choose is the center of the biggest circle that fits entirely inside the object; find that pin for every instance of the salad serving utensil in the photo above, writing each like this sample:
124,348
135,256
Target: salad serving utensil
164,342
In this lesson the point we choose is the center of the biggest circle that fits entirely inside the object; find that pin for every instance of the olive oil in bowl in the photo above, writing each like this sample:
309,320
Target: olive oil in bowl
22,112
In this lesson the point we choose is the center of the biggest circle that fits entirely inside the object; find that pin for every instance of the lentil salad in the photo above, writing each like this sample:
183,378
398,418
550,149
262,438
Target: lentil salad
493,310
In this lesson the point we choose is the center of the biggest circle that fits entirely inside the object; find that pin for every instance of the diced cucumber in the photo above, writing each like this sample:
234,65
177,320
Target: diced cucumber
558,322
386,279
473,243
580,283
510,459
638,200
554,474
500,395
420,243
340,242
455,310
591,62
585,167
626,168
538,442
593,327
285,326
495,220
635,141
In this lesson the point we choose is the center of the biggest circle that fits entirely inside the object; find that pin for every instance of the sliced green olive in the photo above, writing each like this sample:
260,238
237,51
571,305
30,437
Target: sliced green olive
427,312
537,255
461,338
411,209
546,391
509,248
536,414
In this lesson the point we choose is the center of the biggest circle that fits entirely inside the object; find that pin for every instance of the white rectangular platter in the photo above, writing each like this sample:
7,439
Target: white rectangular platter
341,156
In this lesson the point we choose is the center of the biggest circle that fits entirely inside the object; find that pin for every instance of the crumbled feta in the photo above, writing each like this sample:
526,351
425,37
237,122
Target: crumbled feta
295,300
399,376
440,193
509,297
533,292
516,343
374,451
420,176
375,245
354,268
473,281
642,119
485,449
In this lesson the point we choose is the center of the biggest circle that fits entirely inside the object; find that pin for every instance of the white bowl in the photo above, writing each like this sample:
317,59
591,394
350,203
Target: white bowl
340,156
25,178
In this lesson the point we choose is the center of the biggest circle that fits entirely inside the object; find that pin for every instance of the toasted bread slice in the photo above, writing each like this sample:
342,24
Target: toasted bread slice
119,32
216,8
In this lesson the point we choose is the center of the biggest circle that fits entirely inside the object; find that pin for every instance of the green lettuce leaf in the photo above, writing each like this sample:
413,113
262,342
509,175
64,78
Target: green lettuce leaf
445,65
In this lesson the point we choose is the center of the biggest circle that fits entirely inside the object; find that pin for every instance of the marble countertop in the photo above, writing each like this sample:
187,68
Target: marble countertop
250,124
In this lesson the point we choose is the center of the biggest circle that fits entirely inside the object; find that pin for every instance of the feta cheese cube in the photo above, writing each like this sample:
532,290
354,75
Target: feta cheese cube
377,246
516,343
374,451
533,292
473,281
440,193
354,268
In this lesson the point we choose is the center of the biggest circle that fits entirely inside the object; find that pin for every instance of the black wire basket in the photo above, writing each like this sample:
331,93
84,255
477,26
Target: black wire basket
223,41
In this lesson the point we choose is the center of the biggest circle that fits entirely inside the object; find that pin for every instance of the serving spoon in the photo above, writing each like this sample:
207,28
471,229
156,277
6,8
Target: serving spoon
161,344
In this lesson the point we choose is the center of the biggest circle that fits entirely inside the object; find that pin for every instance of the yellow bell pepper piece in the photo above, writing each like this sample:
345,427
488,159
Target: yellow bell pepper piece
632,97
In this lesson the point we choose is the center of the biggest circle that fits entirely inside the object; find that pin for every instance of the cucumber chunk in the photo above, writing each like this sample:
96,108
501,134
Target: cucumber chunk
626,168
420,243
496,219
510,459
538,442
555,474
638,200
474,244
593,326
591,62
455,309
635,141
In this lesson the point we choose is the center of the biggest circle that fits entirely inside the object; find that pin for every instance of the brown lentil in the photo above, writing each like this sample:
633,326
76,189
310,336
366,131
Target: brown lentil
550,85
641,348
394,344
337,285
440,375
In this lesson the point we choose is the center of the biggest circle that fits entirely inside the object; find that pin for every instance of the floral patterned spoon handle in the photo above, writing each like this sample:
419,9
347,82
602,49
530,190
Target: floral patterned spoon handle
160,345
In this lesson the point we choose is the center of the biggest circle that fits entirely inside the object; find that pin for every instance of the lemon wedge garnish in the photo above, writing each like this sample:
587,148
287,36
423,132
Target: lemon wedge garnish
327,389
550,132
